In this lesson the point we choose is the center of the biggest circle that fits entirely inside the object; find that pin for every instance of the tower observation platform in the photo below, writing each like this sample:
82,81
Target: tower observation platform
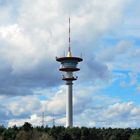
69,65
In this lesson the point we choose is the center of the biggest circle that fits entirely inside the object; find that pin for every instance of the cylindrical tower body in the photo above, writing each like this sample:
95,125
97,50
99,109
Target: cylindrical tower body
69,105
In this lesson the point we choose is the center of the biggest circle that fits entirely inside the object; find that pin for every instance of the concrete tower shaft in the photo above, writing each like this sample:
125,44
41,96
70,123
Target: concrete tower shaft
69,105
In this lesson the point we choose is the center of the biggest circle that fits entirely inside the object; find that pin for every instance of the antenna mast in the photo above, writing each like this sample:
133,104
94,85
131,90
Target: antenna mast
69,34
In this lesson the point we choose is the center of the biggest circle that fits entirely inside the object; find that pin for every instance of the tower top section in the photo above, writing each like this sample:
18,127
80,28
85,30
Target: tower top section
69,58
69,62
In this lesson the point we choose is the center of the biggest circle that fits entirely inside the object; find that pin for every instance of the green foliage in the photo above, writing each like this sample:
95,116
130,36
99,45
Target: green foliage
45,137
27,127
2,129
23,135
9,134
135,136
28,132
74,132
112,137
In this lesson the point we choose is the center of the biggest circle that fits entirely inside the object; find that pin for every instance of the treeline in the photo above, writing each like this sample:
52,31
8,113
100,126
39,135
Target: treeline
27,132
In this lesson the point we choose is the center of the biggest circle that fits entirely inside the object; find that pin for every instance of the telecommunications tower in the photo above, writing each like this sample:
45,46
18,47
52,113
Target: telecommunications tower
68,66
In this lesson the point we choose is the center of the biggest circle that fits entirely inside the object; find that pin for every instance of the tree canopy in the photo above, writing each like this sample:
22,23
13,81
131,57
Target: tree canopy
28,132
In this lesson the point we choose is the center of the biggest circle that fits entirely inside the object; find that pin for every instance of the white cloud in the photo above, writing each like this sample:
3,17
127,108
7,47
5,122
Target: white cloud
26,106
34,119
56,105
23,106
98,110
118,110
49,29
61,121
118,115
19,49
122,111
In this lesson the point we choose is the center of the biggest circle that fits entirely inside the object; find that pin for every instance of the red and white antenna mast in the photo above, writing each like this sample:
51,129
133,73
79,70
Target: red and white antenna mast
69,35
69,48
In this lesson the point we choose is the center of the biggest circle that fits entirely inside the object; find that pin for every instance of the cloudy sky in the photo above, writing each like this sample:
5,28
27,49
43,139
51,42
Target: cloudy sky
34,32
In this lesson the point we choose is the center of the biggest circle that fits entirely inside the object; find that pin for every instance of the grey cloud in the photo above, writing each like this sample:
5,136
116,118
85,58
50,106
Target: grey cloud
110,54
71,7
93,70
44,75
